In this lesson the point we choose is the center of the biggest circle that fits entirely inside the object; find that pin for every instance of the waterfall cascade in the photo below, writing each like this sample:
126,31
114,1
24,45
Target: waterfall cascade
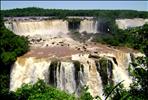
128,23
71,75
50,28
43,28
89,26
59,27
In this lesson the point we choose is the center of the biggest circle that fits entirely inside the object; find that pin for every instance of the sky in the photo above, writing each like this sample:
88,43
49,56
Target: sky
130,5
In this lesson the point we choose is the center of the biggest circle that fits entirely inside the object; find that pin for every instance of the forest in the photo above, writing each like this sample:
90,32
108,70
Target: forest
59,13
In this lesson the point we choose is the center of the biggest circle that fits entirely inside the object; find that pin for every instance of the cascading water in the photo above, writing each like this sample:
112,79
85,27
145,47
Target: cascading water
120,70
128,23
72,75
28,71
47,27
88,26
57,27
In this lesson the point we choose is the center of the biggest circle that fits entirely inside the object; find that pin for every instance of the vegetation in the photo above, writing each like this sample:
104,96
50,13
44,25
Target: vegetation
42,91
32,11
86,95
12,46
140,73
113,93
134,38
138,89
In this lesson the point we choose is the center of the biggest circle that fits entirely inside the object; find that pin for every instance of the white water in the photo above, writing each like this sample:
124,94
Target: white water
127,23
28,70
89,26
66,77
120,71
50,28
57,27
43,28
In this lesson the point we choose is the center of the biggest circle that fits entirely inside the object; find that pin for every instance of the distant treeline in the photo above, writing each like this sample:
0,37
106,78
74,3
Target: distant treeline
61,13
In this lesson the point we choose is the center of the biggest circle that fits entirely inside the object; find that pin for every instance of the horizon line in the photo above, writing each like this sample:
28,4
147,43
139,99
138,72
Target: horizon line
73,9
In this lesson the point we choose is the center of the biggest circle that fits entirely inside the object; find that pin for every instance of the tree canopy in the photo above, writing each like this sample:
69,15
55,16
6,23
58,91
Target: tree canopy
61,13
11,46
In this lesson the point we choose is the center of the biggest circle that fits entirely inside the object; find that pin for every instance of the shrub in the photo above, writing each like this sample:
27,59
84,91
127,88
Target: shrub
41,91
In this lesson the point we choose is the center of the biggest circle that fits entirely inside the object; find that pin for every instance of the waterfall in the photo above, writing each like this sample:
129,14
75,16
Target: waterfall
59,27
88,26
128,23
65,75
72,75
28,70
46,27
120,70
50,28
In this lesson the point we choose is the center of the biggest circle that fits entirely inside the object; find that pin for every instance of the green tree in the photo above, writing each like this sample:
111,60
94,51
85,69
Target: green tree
60,13
41,91
12,46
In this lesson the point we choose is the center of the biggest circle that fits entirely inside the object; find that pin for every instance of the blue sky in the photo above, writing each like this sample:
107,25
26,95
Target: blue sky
131,5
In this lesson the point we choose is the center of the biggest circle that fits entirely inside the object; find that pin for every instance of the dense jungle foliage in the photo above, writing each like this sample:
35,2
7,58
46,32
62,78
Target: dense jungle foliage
33,11
42,91
138,89
11,46
136,38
